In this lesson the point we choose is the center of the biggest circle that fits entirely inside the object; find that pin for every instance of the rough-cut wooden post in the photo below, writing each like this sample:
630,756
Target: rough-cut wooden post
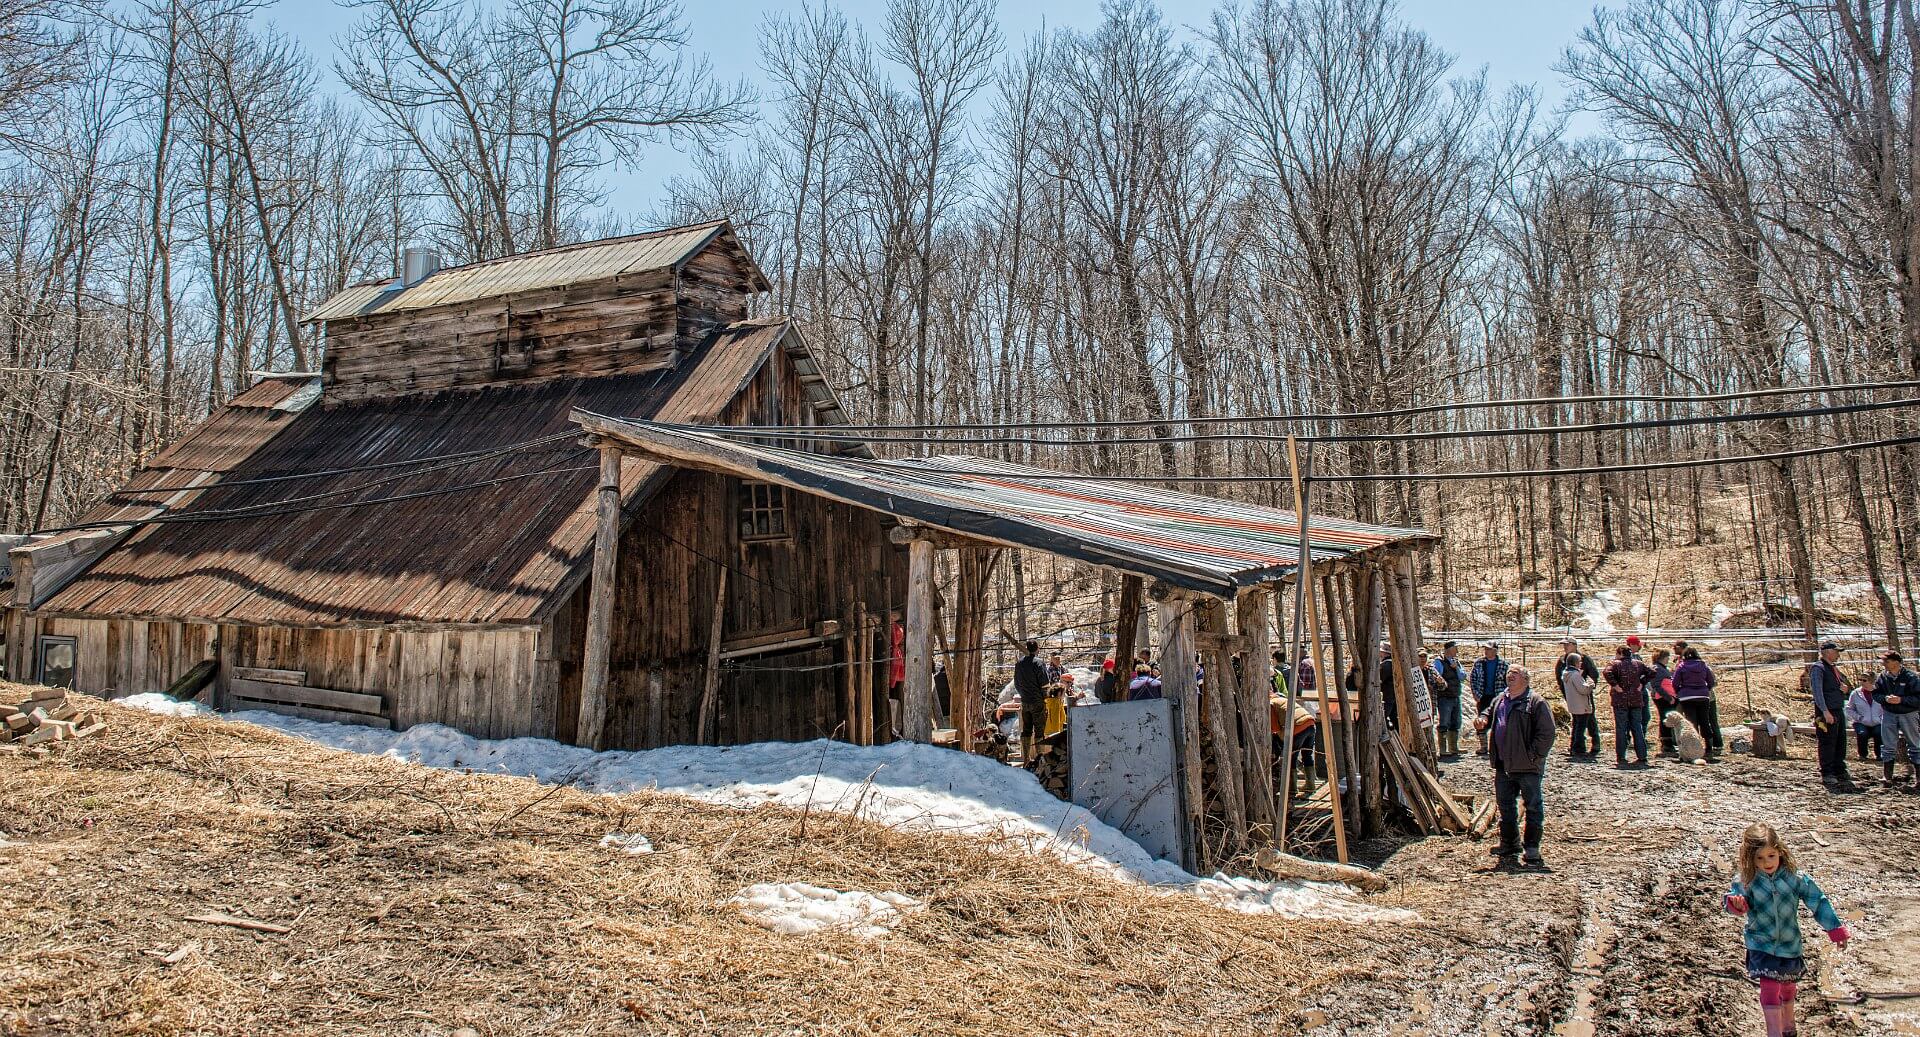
1176,679
1125,629
592,730
715,631
1219,703
916,694
1373,704
969,633
1339,619
1251,618
862,641
1403,675
1414,733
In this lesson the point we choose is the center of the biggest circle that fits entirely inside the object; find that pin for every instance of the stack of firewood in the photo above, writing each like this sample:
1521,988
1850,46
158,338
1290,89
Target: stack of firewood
47,719
1052,766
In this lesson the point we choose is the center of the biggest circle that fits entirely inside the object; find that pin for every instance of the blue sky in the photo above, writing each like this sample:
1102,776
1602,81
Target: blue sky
1516,40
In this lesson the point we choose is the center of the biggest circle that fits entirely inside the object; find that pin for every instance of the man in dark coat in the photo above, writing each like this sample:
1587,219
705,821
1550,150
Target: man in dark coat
1030,683
1898,693
1830,689
1519,728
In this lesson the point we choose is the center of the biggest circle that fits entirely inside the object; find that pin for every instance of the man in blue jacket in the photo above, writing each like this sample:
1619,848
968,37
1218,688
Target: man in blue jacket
1829,688
1487,680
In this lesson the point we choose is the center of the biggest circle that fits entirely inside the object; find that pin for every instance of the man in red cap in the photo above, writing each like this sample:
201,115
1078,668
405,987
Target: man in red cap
1107,688
1633,642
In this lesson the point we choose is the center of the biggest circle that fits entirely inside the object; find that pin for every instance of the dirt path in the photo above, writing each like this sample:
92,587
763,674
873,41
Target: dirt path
1623,934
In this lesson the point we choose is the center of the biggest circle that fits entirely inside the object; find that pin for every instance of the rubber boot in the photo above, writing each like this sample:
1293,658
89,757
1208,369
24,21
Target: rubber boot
1886,774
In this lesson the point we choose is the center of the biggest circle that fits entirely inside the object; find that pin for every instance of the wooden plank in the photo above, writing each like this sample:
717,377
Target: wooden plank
193,681
1176,651
1251,618
916,696
324,698
332,716
710,686
270,676
1447,804
1416,796
592,731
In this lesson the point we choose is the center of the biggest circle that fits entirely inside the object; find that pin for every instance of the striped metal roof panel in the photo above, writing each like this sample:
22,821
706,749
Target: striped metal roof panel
570,264
1198,543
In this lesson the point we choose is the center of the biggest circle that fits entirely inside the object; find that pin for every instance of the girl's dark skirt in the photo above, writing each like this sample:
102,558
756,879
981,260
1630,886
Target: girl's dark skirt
1761,965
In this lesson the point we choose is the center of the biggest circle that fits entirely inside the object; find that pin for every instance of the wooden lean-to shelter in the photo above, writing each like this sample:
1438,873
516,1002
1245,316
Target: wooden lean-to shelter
406,536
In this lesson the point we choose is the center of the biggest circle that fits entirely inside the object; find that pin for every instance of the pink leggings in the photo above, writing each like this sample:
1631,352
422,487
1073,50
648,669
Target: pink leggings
1777,992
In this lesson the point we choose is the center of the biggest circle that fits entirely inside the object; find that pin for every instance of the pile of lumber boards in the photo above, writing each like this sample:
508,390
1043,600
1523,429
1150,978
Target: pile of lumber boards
1437,809
48,719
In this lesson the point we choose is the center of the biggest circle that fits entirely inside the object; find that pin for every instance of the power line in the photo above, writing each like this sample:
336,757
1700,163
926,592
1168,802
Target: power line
480,454
274,509
811,435
1527,473
1436,408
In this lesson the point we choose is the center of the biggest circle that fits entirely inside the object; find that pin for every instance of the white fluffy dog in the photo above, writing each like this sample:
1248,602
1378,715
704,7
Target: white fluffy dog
1692,747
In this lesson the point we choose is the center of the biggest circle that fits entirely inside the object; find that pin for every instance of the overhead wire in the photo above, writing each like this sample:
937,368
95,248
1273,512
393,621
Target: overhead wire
1650,466
1434,408
1429,435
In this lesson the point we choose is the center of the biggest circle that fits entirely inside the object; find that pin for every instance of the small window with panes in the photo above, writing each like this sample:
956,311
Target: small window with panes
763,511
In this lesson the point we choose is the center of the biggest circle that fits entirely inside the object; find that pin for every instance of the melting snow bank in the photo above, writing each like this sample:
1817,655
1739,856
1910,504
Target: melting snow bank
796,908
1596,613
904,785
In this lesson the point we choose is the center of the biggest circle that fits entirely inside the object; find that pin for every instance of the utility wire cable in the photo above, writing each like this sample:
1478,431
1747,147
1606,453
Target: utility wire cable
278,508
1433,408
1353,437
1528,473
477,455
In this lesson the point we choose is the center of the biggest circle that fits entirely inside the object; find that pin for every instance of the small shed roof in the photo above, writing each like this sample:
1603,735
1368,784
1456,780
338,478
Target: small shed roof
1198,543
531,271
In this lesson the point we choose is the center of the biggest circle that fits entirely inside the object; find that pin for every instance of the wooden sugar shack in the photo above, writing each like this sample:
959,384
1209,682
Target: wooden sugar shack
405,537
418,533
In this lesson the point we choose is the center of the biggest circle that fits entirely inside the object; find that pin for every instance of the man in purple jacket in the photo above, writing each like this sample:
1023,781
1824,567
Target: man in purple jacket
1520,732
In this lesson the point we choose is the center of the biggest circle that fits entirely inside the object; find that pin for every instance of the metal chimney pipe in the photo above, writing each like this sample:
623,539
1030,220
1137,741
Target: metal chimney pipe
418,264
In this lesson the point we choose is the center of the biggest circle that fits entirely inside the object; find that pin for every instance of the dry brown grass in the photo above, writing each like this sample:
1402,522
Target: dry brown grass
422,901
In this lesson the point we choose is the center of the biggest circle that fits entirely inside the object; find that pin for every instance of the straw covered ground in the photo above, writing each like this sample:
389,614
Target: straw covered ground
423,902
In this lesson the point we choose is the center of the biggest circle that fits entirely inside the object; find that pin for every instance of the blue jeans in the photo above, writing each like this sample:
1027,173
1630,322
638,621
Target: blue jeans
1892,726
1632,723
1449,713
1510,789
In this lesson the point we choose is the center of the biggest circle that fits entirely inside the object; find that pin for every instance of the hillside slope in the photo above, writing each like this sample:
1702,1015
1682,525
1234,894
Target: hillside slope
423,901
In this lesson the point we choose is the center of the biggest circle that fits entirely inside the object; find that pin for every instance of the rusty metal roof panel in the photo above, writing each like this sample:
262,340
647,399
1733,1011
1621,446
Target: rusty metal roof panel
488,536
569,264
1199,543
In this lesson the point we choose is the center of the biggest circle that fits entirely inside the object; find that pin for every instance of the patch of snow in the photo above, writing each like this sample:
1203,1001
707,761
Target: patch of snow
903,785
796,908
1596,613
1721,613
1844,591
154,702
627,842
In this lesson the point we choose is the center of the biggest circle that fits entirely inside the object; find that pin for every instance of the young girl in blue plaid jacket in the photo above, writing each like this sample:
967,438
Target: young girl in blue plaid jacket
1769,893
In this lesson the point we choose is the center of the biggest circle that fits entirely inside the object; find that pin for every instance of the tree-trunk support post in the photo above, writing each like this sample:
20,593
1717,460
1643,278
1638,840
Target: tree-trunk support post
916,694
592,730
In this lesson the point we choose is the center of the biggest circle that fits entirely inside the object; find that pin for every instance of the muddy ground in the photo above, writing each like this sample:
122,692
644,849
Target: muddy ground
1623,932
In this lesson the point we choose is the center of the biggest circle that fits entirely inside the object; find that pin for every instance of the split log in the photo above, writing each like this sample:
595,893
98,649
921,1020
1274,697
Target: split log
1288,866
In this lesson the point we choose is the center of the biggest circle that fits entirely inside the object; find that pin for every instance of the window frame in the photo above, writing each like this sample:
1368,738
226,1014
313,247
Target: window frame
761,514
46,641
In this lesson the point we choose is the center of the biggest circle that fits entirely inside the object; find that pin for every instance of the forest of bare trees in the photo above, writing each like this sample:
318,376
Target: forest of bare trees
1278,206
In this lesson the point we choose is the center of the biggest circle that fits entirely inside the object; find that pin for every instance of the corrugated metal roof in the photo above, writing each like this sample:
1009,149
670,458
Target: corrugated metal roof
481,554
1198,543
531,271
